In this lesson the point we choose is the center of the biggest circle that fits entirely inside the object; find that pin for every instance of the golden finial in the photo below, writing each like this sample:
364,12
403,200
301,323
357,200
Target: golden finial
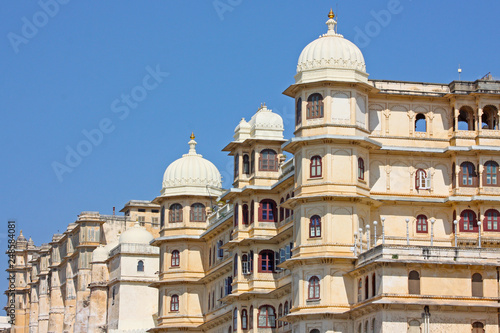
331,14
192,136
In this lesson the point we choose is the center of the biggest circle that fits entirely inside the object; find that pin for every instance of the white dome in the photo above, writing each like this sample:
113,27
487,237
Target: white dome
242,131
136,235
266,124
331,57
191,174
100,254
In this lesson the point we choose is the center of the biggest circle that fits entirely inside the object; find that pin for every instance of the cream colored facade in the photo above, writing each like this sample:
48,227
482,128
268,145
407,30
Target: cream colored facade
385,219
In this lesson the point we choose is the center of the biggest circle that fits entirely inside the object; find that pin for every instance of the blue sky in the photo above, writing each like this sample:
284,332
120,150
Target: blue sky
193,66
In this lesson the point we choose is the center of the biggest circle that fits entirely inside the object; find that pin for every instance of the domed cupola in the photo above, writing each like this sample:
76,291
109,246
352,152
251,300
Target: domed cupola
331,57
136,235
192,175
266,125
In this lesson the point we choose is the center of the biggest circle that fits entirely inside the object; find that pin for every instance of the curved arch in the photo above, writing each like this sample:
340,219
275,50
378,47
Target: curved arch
198,212
466,119
267,211
266,317
361,168
491,220
421,225
266,261
489,118
420,123
313,288
298,111
175,259
140,266
414,283
268,160
175,213
491,174
174,302
315,106
468,175
477,285
315,226
468,221
315,167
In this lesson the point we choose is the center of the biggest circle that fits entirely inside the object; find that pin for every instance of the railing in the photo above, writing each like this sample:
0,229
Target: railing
220,213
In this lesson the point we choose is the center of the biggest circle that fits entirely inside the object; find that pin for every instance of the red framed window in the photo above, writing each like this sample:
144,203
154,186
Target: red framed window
174,303
244,212
491,173
315,227
298,112
491,220
361,169
468,221
268,160
280,314
175,213
266,317
266,261
422,182
175,260
422,226
244,319
315,167
315,106
468,175
198,213
313,290
267,211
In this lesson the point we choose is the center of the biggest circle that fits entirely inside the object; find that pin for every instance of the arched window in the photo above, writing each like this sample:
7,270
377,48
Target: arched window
491,174
140,266
244,212
267,211
268,160
244,319
244,264
491,220
220,251
280,314
315,167
113,295
414,283
374,284
198,213
213,299
235,319
477,285
267,317
162,217
235,266
468,221
236,168
175,260
250,319
313,290
422,224
236,213
361,169
367,288
373,326
477,327
422,182
252,162
229,330
298,112
252,213
210,257
174,303
466,119
282,210
266,261
360,290
315,106
468,175
315,227
489,119
175,213
420,123
246,164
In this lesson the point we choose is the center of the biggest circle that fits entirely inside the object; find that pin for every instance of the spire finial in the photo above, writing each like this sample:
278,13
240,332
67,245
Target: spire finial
331,14
192,136
192,145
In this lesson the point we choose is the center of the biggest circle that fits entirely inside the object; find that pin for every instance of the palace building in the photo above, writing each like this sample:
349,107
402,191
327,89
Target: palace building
380,214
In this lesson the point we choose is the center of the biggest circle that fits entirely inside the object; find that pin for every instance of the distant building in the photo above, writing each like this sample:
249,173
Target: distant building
385,218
